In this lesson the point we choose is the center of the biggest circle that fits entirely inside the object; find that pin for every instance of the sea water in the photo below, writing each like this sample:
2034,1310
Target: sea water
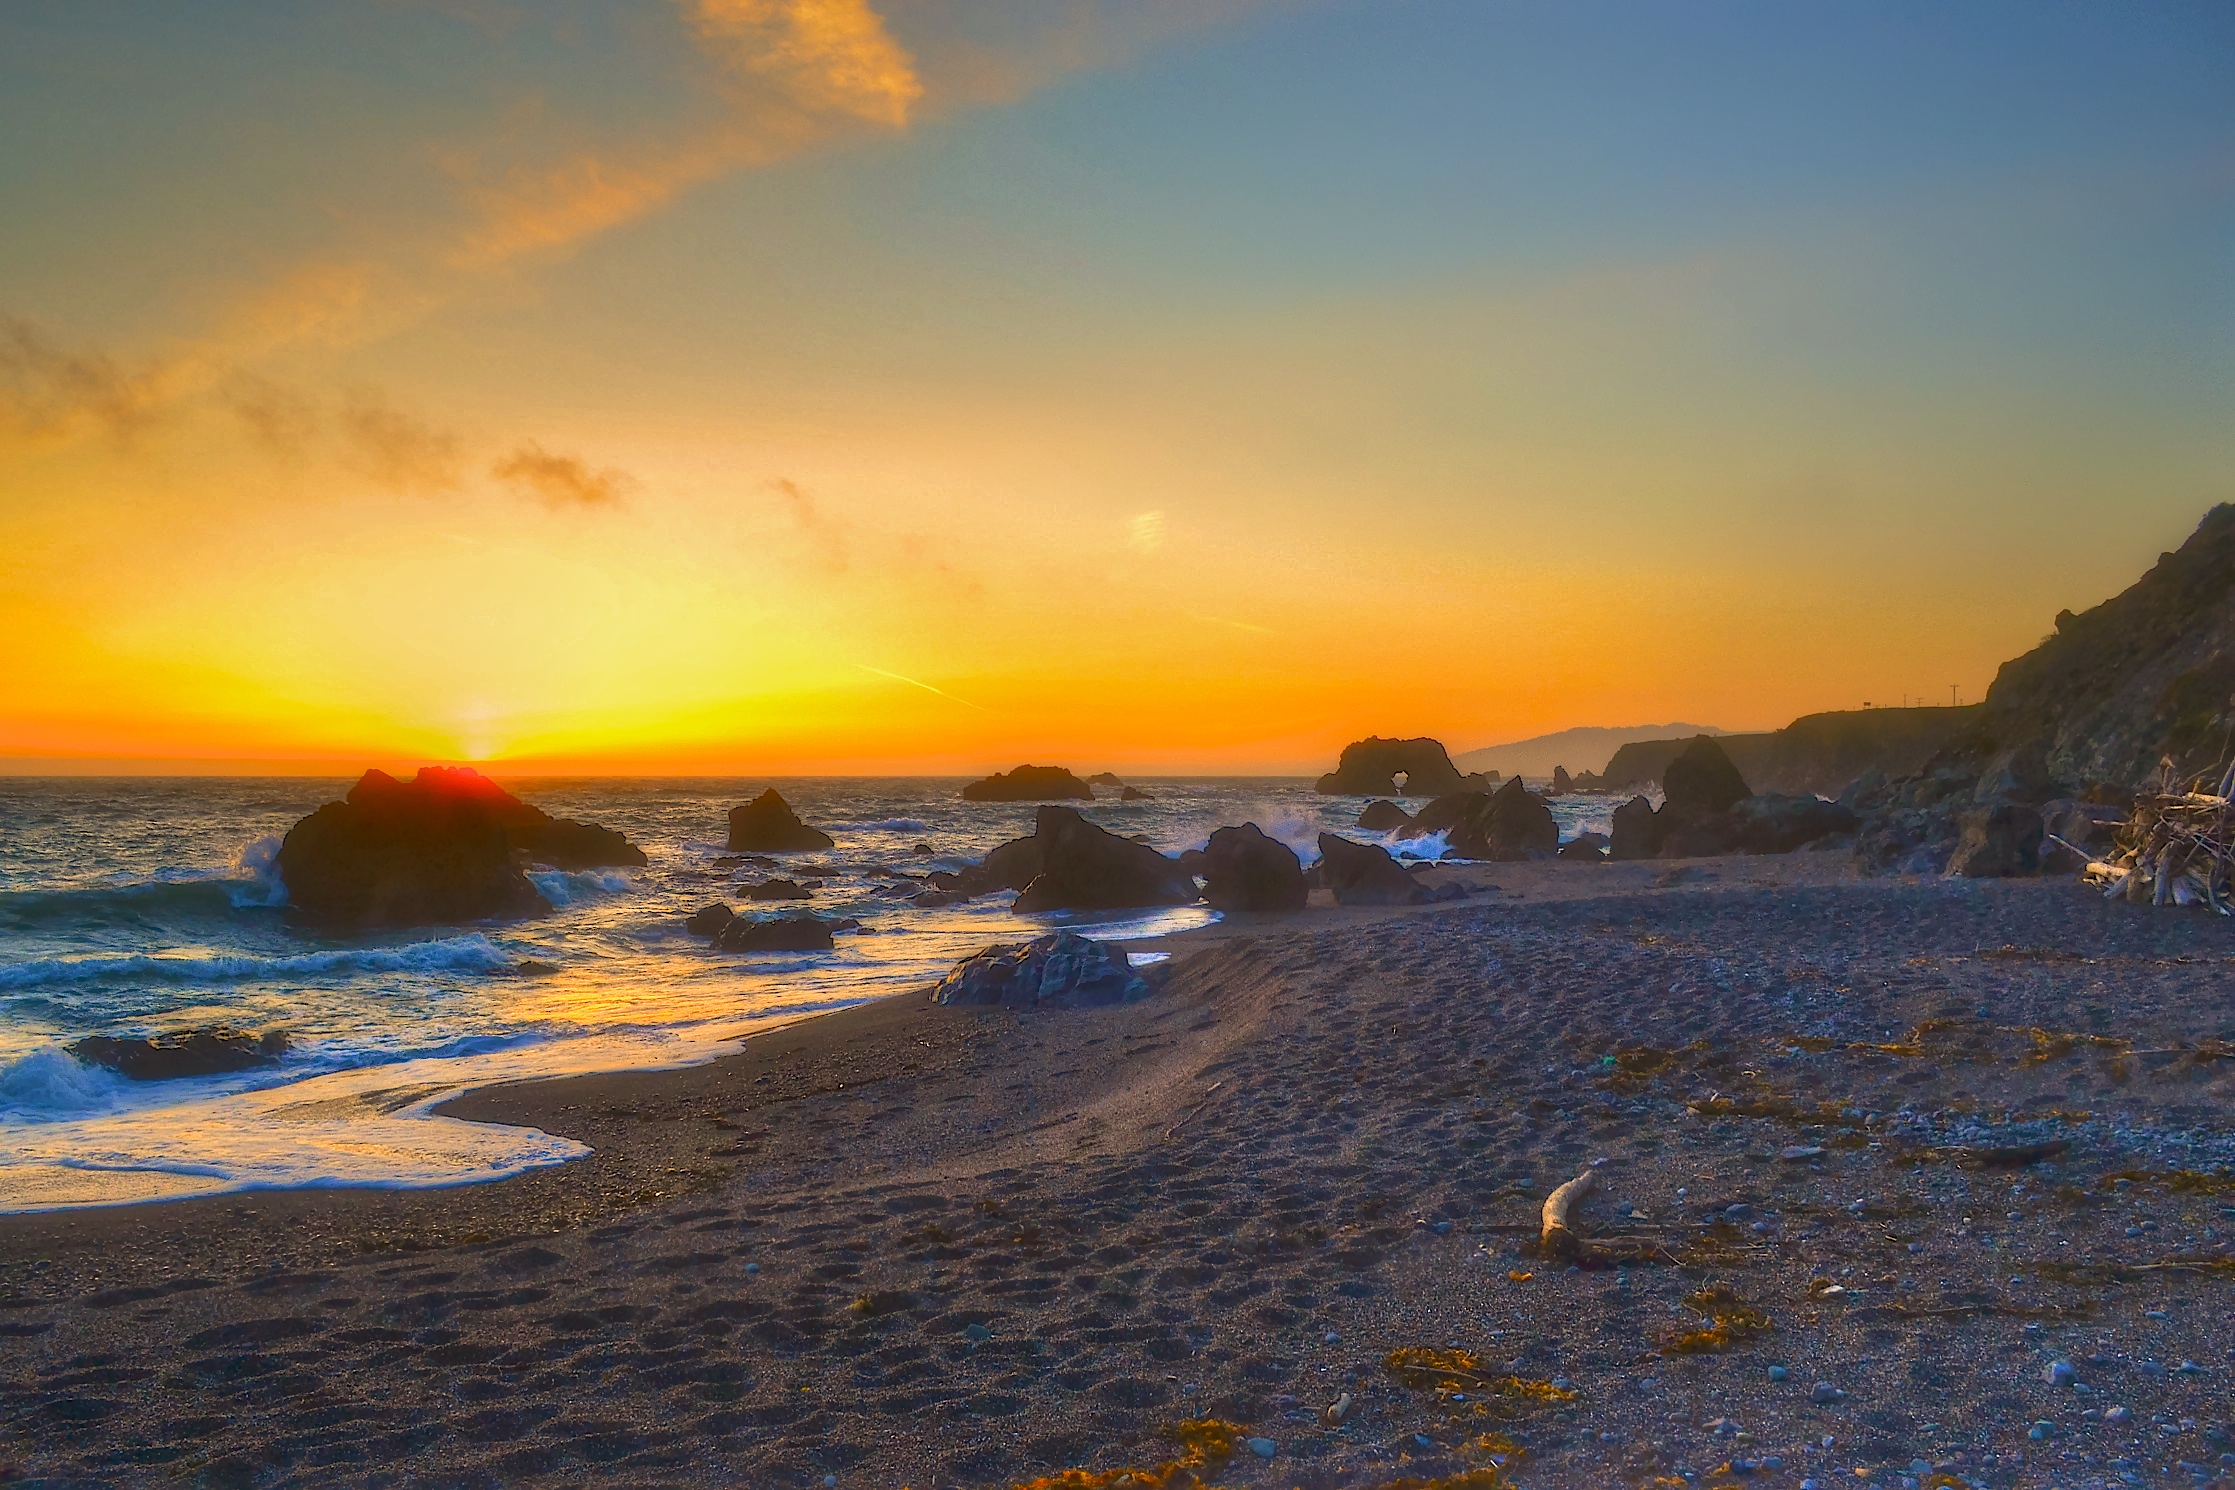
138,906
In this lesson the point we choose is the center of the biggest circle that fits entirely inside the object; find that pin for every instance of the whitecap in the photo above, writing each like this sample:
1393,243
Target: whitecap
52,1083
470,954
566,886
259,862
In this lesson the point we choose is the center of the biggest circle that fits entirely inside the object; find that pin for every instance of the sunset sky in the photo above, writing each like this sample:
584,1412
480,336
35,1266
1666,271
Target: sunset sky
896,385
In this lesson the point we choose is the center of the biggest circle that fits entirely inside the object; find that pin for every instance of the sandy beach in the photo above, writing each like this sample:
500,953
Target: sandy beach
1919,1180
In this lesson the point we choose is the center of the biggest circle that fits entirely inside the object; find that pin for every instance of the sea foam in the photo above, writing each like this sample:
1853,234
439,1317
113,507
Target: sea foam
461,954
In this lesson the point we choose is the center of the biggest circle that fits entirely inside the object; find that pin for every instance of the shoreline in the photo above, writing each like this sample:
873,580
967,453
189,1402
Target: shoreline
1039,1238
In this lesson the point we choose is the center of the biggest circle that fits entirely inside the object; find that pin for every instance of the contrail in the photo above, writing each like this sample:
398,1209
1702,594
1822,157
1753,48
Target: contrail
926,687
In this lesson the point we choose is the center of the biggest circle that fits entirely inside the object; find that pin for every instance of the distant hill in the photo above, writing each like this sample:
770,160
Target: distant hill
1585,749
1818,753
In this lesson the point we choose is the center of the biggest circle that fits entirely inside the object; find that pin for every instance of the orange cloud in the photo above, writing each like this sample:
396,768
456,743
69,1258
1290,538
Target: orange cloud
398,450
560,480
826,56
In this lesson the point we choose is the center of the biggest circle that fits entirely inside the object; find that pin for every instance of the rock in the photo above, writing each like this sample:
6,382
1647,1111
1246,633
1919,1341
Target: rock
1824,1394
1133,794
1104,778
1243,870
1587,848
932,900
2058,1373
1998,842
1029,784
1383,817
1085,868
1508,825
2019,775
778,889
1364,874
1702,780
922,849
1062,969
1369,768
210,1052
1779,823
2085,830
533,967
1637,832
1263,1448
709,919
1562,783
436,850
768,825
796,932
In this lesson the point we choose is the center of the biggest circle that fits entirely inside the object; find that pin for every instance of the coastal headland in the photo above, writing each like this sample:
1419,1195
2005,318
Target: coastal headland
1913,1176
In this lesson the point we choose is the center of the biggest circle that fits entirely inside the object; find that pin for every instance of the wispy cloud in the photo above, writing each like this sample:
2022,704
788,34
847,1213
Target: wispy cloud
48,392
399,450
828,534
826,56
561,480
926,687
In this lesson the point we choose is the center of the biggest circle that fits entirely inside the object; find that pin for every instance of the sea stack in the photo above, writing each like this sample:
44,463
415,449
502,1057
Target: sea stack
767,825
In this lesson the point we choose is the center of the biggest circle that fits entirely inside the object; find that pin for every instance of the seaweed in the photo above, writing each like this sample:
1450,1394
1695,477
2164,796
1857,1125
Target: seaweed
2177,1181
1445,1372
1730,1321
1204,1443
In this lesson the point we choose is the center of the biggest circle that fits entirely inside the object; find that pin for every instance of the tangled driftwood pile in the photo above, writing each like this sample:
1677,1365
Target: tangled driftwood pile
2176,849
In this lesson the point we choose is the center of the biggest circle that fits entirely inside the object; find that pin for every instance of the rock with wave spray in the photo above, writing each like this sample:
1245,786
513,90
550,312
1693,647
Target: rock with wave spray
1507,825
767,825
1245,870
1083,867
206,1052
450,845
1029,784
1062,970
1365,874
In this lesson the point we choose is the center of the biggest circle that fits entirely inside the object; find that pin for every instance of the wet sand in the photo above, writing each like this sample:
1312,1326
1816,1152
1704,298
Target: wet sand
904,1245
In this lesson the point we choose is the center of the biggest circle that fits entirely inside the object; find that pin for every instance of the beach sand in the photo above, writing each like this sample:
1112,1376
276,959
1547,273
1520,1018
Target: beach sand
906,1245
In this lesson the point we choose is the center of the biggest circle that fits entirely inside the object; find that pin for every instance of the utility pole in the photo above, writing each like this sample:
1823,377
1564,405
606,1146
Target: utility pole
1952,696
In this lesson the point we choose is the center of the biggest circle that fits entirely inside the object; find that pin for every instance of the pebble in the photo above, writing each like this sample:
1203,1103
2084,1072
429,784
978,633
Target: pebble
1778,1373
2041,1430
1823,1394
2058,1373
2118,1415
976,1332
1333,1336
1265,1448
1802,1151
830,1482
752,1268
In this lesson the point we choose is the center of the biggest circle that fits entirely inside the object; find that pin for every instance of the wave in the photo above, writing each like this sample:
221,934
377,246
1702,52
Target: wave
258,863
887,825
467,954
566,886
52,1083
155,902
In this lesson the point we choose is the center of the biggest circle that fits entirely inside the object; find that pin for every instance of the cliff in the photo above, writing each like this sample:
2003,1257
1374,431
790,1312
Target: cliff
1819,753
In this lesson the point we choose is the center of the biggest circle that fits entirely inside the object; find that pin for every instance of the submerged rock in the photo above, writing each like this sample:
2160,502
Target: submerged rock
768,825
796,932
1062,969
1244,870
1364,874
1029,784
210,1052
1082,867
1370,768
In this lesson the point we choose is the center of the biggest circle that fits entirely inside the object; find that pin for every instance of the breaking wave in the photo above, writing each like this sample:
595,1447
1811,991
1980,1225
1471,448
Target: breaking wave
466,954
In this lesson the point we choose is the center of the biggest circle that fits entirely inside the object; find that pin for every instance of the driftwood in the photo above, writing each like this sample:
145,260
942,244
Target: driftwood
1560,1237
2178,848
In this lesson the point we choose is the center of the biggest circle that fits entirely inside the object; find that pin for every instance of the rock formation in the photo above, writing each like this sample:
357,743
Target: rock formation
1364,874
1105,778
1585,848
1134,794
1817,753
767,825
1702,780
1997,842
1370,768
1382,817
796,932
1082,867
210,1052
1562,782
1244,870
1507,825
708,920
776,889
1029,784
1062,970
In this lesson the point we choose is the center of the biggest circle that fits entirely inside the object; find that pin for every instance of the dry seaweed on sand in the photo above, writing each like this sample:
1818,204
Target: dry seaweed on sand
1453,1373
1731,1321
1204,1444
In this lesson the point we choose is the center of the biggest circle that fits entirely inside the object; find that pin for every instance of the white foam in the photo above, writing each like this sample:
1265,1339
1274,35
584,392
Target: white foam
51,1082
565,886
259,861
473,953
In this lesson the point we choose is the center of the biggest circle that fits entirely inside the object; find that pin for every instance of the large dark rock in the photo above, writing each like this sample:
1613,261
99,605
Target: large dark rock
707,920
767,825
1364,874
1778,822
1562,782
1244,870
1585,848
1029,784
1060,970
776,889
1083,867
1702,780
210,1052
391,854
561,843
1507,825
1637,832
1998,842
1134,794
1370,768
796,932
1382,816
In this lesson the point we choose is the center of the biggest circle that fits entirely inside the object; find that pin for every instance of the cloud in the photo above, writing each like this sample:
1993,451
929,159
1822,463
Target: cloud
278,418
825,56
827,533
1144,533
49,393
398,450
561,480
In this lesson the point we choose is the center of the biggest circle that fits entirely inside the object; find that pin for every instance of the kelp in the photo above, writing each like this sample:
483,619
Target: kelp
1731,1321
1204,1444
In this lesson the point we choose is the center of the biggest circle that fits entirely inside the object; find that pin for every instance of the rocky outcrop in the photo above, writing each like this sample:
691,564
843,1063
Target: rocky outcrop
1134,794
1702,780
1710,811
1507,825
796,932
390,854
767,825
1029,784
707,920
1082,867
1370,768
560,843
1585,848
1244,870
1364,874
1382,817
1782,822
1105,778
1562,783
209,1052
1817,753
1997,842
1636,835
1060,970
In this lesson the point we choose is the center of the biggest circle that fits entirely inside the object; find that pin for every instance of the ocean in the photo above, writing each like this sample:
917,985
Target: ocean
138,906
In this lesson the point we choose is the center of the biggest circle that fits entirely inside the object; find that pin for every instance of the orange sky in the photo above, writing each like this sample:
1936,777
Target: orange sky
792,386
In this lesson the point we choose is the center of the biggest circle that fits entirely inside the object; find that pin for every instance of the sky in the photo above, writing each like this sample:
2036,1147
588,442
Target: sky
823,386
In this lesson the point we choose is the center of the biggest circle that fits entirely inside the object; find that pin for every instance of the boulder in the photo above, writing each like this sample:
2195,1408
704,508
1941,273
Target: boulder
1105,778
1562,782
560,843
709,919
1382,817
767,825
209,1052
1702,780
2020,775
1779,823
1998,842
1364,874
1083,867
1029,784
1134,794
1244,870
1060,970
390,854
1370,767
795,932
778,889
1507,825
1637,831
1586,848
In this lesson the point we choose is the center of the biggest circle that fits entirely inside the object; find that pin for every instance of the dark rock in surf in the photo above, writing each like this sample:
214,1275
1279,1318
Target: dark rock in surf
1383,817
1061,970
1507,825
1562,783
1365,874
1083,867
1104,778
768,825
1029,784
709,919
1244,870
797,932
1134,794
210,1052
777,889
